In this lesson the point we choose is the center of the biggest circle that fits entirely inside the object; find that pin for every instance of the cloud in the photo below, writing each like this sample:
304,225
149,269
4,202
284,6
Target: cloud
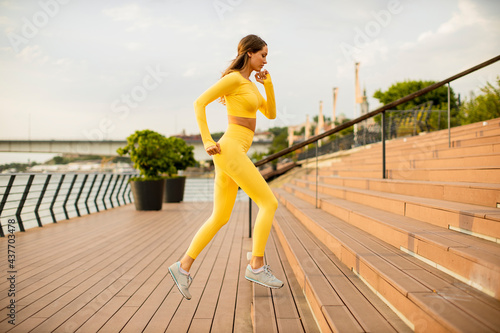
63,62
4,20
190,72
136,15
467,16
32,53
9,5
132,46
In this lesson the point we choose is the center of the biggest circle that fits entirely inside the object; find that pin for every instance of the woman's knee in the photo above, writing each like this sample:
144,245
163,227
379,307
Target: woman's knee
220,219
269,204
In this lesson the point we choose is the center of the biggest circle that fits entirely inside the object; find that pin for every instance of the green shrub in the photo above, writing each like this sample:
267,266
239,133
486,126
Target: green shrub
153,154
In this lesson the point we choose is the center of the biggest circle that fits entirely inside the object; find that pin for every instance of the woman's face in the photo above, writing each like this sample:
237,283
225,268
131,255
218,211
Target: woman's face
258,59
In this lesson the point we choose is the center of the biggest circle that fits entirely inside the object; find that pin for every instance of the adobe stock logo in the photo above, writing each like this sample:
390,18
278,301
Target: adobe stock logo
371,30
223,6
31,28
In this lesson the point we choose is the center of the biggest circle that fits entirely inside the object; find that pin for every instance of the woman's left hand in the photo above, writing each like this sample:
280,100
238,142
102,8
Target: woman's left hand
261,76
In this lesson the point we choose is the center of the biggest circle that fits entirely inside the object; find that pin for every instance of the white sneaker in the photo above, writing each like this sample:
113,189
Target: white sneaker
182,280
264,277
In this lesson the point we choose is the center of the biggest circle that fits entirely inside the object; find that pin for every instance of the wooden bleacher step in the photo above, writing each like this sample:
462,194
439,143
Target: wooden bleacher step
476,220
469,193
426,298
284,309
431,145
473,261
478,175
339,299
419,162
371,154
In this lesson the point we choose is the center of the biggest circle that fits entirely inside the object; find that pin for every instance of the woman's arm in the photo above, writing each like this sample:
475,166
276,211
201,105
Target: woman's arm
222,87
268,108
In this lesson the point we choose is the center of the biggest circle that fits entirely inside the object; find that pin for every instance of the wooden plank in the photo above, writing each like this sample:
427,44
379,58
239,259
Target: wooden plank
264,318
223,320
242,317
151,263
97,278
41,262
430,241
186,310
284,305
371,319
200,325
386,281
304,311
101,316
69,285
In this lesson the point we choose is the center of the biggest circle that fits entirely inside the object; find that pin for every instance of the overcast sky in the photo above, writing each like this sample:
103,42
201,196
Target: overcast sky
103,69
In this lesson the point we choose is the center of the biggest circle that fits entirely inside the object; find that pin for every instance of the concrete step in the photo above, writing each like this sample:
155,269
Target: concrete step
340,300
481,194
474,261
426,298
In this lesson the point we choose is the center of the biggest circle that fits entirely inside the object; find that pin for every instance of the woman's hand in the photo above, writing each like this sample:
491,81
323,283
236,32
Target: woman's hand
212,150
261,76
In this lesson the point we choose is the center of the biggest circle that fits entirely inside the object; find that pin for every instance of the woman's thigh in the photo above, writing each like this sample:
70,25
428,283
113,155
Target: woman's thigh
238,166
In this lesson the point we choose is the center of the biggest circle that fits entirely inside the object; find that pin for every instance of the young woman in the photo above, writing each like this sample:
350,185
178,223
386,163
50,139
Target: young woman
233,168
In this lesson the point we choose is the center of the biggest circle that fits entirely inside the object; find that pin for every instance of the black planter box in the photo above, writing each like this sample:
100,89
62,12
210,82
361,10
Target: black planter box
148,194
174,189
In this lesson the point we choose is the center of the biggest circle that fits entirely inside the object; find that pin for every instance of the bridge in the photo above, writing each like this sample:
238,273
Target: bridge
105,147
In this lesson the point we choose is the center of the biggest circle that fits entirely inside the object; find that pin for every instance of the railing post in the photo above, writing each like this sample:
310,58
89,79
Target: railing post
97,194
449,118
21,203
55,198
90,192
67,196
383,146
317,174
112,191
4,199
42,194
129,191
125,189
106,191
249,217
80,193
119,189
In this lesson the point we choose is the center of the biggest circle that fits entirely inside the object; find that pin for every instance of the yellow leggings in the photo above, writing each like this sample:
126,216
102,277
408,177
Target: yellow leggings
234,169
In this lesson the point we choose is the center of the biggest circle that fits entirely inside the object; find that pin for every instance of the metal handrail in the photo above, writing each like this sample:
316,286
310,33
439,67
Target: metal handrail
380,110
69,194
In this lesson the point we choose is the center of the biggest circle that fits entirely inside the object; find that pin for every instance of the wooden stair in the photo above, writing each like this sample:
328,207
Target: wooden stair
418,251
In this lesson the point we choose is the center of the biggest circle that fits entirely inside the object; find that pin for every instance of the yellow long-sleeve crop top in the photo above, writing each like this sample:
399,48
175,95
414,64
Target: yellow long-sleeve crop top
242,98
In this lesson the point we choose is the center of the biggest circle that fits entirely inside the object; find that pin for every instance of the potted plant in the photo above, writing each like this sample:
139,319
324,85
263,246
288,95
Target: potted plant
149,151
181,157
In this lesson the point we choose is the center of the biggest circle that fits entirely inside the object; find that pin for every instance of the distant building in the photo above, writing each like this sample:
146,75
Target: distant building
263,136
364,108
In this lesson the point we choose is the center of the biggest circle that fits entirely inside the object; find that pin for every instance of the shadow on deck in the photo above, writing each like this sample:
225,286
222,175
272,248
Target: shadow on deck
108,272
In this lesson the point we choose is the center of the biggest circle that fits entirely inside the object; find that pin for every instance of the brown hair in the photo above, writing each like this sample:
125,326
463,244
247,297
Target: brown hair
249,43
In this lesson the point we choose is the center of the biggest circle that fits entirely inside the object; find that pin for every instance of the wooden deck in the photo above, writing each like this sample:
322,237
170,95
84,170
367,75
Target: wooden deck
108,272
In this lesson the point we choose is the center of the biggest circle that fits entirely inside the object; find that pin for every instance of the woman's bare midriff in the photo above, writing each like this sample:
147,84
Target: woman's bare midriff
246,122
